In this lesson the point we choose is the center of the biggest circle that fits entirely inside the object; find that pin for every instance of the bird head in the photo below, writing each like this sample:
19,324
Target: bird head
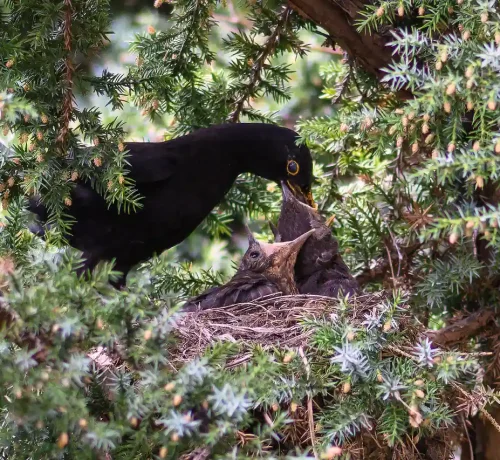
299,174
296,218
272,152
275,260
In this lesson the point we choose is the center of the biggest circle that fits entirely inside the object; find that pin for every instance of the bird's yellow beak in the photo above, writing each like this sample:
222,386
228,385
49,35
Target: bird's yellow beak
299,193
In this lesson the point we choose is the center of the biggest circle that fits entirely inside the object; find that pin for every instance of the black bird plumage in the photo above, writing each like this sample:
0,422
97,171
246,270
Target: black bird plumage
265,269
320,269
181,181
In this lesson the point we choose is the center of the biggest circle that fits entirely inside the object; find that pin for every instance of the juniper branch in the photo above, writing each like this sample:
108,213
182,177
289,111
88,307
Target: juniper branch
258,65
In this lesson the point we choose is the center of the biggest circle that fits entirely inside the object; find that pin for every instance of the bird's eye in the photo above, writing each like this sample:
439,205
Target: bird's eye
254,254
292,167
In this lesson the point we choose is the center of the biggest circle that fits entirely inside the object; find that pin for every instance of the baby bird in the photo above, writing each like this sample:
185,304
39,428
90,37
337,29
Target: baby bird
266,268
320,269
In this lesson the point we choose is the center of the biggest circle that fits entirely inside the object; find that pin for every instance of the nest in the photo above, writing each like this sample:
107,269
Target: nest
282,321
271,321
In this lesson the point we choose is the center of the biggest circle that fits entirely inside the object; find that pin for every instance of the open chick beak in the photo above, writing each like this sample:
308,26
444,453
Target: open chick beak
294,246
285,252
303,195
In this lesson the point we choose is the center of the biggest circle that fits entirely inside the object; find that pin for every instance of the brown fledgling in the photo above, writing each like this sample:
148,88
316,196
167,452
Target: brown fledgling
320,269
266,268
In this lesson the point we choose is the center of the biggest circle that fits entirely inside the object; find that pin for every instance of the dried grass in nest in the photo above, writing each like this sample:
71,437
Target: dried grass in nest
369,446
270,321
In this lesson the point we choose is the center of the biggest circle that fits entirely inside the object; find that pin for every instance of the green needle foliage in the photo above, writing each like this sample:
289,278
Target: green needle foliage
39,54
427,163
90,371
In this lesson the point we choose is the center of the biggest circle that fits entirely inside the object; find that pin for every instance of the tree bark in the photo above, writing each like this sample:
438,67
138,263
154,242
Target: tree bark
337,18
462,330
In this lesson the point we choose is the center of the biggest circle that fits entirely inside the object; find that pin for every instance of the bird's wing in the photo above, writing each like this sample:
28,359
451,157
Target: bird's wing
328,283
150,162
333,287
204,301
250,286
243,287
156,161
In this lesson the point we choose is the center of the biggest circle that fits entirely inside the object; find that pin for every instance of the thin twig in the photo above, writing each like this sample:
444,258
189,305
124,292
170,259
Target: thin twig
396,246
344,84
378,272
68,97
467,355
481,409
232,19
401,352
190,30
268,420
475,233
310,413
238,361
471,450
258,65
389,258
356,81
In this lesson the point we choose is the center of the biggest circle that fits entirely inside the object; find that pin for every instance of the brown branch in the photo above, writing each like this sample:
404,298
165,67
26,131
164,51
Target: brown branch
379,272
337,18
370,275
69,98
483,411
463,329
258,65
310,412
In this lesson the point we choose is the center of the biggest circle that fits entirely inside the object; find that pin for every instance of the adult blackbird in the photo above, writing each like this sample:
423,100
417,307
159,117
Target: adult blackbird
265,269
180,181
319,269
